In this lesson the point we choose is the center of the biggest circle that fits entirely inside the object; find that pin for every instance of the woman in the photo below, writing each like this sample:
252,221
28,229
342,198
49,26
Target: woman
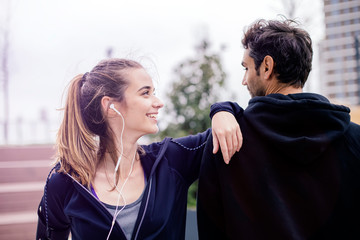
106,186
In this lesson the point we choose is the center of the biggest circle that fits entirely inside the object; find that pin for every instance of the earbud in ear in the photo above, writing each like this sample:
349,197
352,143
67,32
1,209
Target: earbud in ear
112,106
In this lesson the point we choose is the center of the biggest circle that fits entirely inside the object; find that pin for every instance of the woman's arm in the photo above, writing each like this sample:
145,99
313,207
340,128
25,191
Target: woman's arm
231,107
186,152
45,231
52,222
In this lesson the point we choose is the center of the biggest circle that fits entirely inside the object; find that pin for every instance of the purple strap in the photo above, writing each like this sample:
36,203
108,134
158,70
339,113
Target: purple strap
93,191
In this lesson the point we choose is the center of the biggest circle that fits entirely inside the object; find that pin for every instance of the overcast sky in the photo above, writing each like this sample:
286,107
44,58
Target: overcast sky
52,41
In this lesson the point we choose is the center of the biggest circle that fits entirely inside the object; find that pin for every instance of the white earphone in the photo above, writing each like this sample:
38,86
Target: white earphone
112,106
117,212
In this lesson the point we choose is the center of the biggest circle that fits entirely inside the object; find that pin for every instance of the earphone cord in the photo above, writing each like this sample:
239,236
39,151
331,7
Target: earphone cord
116,213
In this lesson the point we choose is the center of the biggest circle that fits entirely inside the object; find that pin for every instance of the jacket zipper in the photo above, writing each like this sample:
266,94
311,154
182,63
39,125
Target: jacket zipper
146,206
162,151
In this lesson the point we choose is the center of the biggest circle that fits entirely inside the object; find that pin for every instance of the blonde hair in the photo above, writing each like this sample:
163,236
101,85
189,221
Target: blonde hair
84,135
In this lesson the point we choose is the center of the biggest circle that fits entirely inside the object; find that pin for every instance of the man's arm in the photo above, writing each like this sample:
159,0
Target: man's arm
211,222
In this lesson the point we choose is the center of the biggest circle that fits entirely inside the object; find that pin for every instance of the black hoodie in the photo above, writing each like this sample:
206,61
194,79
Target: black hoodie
297,175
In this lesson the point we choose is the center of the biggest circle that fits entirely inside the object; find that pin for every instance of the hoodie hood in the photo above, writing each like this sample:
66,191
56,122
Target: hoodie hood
300,125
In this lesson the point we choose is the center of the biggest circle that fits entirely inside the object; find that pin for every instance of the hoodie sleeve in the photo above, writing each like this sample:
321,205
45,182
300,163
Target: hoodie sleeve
210,217
231,107
52,222
185,155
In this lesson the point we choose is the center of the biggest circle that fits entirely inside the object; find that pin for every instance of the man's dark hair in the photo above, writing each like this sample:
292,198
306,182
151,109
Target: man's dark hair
288,45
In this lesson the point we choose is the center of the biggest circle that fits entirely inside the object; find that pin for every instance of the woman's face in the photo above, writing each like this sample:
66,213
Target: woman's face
140,107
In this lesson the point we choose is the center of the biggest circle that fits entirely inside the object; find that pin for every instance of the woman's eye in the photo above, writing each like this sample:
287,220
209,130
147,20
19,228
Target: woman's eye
146,93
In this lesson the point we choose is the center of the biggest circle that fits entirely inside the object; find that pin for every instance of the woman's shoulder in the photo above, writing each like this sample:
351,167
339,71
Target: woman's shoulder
58,182
155,147
187,143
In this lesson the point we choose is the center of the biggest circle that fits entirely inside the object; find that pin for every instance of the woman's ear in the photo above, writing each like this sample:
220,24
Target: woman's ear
105,104
269,66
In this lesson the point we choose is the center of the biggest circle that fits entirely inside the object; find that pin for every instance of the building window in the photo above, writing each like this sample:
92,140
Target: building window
347,22
349,70
335,71
353,81
349,45
335,59
340,95
352,94
346,10
334,36
335,12
355,9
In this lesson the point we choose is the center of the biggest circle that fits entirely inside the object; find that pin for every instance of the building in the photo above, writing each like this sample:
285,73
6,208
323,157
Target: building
355,114
339,52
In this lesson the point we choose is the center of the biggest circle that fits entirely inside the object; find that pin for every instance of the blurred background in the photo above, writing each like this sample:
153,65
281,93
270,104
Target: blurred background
192,49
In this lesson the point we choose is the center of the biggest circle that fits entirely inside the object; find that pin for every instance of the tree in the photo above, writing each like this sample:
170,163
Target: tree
198,83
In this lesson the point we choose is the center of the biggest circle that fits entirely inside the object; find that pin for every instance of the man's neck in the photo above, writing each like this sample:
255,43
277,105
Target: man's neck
282,89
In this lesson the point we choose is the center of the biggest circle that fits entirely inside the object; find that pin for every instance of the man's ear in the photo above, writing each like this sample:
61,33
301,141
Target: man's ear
268,66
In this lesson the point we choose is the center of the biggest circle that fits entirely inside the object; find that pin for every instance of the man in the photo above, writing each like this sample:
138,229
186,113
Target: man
297,175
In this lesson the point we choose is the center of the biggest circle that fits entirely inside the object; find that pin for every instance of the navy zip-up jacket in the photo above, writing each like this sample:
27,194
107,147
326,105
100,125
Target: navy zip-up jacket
297,175
170,166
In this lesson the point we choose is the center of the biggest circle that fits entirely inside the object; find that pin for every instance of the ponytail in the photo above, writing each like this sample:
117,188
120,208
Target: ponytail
76,144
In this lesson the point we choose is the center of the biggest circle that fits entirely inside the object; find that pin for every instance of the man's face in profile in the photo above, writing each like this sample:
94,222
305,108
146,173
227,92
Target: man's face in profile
252,78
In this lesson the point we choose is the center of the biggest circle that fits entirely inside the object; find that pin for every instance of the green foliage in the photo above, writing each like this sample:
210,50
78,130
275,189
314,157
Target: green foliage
197,84
192,195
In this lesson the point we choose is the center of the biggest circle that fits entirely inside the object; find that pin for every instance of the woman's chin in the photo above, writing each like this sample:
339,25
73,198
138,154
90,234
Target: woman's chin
156,130
153,131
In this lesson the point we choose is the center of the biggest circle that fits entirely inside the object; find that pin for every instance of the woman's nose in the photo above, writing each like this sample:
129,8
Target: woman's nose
158,103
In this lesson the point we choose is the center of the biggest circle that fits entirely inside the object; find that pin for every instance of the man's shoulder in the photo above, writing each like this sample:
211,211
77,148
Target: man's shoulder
352,137
353,131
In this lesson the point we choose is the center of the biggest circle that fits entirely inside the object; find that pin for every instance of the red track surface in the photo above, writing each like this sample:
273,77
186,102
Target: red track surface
23,171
